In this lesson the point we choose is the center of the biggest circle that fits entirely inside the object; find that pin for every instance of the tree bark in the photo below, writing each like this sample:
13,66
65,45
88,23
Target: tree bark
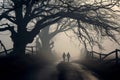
19,48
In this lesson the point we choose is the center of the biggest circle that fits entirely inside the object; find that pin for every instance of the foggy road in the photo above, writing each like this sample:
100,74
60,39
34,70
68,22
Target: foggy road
64,71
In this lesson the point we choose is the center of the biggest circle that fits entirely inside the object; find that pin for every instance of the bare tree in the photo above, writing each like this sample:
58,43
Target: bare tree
17,15
45,43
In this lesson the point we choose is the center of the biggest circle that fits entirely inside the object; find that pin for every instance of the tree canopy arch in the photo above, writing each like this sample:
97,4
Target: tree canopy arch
100,15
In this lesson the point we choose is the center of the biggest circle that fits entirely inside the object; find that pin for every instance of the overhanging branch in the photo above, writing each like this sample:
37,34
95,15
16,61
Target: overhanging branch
10,28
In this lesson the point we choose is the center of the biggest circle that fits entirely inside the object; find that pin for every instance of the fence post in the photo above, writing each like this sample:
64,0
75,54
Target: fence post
92,55
116,54
100,56
32,50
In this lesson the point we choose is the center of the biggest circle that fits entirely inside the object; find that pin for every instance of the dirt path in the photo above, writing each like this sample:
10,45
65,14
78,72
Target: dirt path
64,71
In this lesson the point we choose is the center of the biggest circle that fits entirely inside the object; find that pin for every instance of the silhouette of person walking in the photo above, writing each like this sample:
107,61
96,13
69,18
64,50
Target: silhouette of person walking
64,57
68,56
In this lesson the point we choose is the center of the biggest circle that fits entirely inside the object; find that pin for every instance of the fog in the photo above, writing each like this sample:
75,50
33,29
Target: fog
64,43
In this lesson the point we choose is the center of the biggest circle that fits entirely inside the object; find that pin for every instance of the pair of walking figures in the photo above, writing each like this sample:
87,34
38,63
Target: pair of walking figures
66,57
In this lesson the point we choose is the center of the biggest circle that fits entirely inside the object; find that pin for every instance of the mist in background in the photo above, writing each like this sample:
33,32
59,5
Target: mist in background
64,42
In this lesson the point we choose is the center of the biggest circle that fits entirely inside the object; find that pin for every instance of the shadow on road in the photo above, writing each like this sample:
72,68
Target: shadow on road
73,71
36,68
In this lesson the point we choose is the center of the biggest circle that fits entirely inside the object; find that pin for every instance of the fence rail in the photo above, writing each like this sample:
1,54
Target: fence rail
102,57
29,49
9,50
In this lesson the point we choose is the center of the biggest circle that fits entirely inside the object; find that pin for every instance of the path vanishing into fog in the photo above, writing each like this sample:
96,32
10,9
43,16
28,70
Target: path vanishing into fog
64,71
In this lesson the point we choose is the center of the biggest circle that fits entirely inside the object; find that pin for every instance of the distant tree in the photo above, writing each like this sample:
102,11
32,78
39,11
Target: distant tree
44,42
17,17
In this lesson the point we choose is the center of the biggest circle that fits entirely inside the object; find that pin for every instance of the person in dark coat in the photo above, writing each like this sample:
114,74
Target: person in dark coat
64,56
68,56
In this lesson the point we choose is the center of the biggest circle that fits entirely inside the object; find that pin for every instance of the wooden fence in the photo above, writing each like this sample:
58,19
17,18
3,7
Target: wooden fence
102,57
29,49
